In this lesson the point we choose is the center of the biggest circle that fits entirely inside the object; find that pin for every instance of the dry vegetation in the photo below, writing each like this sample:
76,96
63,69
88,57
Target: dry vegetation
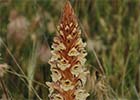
111,29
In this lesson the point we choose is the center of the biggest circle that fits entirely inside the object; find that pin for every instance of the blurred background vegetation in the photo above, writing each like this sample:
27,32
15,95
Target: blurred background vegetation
112,27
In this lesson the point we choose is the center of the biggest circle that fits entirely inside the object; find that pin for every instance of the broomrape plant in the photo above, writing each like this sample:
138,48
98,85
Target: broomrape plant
68,59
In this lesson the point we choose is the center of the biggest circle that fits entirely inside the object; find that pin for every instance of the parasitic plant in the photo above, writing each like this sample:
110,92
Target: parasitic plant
68,59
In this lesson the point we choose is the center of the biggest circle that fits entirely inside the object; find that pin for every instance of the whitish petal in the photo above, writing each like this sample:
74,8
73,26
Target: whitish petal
76,69
55,56
51,89
56,75
81,95
82,60
83,77
56,97
56,40
80,43
69,37
63,64
73,52
58,47
66,85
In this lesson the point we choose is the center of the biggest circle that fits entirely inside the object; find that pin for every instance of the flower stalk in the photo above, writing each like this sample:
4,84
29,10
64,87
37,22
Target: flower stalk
68,59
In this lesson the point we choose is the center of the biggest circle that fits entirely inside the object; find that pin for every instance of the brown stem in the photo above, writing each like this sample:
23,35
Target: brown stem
4,88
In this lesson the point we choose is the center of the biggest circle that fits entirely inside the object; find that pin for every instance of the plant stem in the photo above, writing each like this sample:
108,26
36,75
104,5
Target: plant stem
4,89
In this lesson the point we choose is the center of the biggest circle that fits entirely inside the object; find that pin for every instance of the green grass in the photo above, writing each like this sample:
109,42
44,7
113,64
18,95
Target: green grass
111,27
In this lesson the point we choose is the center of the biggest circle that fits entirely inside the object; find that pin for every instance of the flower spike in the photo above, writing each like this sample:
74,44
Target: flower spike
67,61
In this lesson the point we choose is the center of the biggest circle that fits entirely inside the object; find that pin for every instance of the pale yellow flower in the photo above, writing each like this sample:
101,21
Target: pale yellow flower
61,33
73,52
82,60
83,76
66,85
80,43
56,75
55,56
76,69
56,97
51,89
69,37
56,40
63,64
58,47
81,94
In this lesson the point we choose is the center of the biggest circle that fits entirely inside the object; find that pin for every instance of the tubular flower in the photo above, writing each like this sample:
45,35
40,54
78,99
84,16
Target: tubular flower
67,61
